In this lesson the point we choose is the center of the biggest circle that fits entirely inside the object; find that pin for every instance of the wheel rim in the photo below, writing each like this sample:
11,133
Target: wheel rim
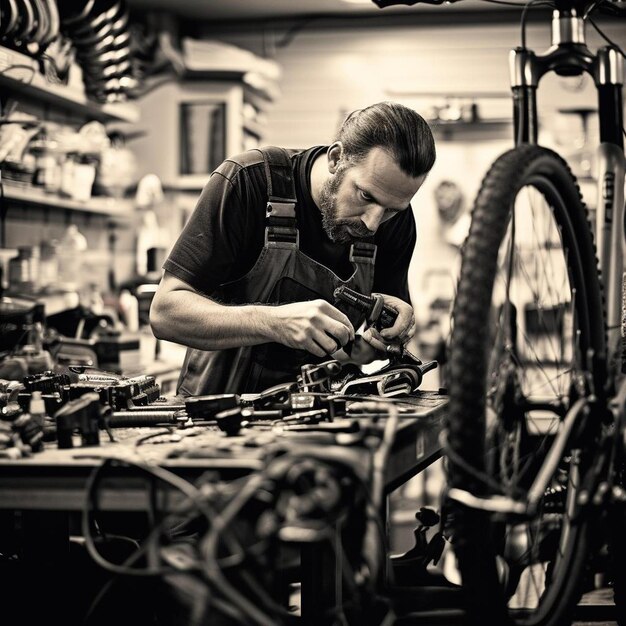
536,369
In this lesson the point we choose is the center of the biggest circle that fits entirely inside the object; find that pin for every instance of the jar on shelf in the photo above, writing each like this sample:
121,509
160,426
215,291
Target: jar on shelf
71,254
48,166
48,263
84,176
67,174
24,270
77,176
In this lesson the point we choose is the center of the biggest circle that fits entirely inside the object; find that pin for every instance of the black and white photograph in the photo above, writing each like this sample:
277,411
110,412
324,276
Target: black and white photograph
312,313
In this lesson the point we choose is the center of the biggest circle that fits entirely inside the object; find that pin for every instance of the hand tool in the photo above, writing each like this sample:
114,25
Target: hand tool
377,313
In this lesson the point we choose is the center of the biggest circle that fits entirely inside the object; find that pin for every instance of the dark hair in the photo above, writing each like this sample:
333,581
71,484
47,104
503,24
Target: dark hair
394,127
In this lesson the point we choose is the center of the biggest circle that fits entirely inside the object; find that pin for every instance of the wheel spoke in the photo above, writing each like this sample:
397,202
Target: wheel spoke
529,270
539,363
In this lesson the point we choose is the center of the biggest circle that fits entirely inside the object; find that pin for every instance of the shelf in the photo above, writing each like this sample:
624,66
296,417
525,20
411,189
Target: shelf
478,130
118,208
461,125
35,84
53,302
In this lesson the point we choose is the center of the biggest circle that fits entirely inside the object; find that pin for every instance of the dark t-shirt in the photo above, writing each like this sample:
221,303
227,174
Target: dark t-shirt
225,234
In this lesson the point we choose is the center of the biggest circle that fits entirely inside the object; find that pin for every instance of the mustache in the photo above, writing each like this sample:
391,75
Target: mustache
358,229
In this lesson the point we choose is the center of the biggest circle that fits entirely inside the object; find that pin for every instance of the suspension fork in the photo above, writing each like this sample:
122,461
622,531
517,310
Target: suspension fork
610,227
524,82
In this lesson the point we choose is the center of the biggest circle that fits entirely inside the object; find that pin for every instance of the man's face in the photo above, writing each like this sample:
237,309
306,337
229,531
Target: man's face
358,197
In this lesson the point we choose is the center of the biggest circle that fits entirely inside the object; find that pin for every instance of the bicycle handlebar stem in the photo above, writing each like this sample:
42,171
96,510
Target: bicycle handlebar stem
567,56
567,27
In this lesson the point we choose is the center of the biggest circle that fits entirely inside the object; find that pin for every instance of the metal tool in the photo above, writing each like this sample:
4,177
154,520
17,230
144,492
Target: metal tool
377,313
83,415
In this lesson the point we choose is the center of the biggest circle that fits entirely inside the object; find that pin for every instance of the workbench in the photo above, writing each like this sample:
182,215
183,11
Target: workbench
47,492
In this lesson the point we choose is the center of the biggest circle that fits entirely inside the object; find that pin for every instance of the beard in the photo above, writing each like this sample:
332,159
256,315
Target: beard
339,230
328,206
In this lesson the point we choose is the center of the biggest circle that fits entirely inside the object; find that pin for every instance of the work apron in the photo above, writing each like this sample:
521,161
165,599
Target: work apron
282,274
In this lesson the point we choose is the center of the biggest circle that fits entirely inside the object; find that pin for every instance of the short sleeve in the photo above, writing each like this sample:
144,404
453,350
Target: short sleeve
395,241
221,239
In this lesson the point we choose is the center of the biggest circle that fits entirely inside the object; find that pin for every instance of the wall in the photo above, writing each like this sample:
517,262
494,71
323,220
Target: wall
328,71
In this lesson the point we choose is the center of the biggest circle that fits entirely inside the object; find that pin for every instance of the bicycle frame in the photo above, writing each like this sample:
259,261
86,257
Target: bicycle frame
569,56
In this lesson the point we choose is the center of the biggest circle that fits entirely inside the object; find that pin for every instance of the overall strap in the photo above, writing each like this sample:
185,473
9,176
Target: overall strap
362,252
363,258
281,229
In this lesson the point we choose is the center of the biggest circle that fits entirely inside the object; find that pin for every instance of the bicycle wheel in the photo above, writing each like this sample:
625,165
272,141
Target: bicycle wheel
528,341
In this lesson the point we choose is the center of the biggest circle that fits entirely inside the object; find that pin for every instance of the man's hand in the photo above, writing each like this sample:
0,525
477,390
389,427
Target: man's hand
400,332
316,326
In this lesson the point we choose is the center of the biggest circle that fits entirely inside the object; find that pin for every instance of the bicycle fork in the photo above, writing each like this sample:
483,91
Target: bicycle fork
608,74
610,230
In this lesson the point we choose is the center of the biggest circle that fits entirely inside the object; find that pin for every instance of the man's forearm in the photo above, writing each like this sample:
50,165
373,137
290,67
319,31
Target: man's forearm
198,322
180,314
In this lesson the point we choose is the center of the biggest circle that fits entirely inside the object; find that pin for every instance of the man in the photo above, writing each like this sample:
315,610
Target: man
248,286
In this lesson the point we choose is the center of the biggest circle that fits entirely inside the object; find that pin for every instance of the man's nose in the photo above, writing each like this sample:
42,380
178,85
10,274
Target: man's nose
373,217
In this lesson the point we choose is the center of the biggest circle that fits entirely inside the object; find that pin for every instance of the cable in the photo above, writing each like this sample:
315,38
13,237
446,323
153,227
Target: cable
124,569
19,66
126,564
233,600
56,73
210,544
196,497
609,41
592,7
604,36
100,596
524,15
278,470
92,483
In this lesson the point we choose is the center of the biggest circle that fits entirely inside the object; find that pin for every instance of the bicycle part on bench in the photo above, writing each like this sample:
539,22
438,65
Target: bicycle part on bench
399,377
317,376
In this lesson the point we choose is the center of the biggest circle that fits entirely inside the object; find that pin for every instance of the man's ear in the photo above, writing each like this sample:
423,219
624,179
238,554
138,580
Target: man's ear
335,152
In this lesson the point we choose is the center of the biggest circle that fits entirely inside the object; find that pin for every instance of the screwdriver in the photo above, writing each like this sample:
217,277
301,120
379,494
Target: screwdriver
377,313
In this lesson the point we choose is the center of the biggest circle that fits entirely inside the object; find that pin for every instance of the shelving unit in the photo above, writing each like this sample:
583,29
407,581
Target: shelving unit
29,214
118,209
259,98
15,76
20,76
163,107
462,129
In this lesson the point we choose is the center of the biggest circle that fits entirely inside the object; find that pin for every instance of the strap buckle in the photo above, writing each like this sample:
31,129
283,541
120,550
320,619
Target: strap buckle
281,229
280,209
282,237
362,252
